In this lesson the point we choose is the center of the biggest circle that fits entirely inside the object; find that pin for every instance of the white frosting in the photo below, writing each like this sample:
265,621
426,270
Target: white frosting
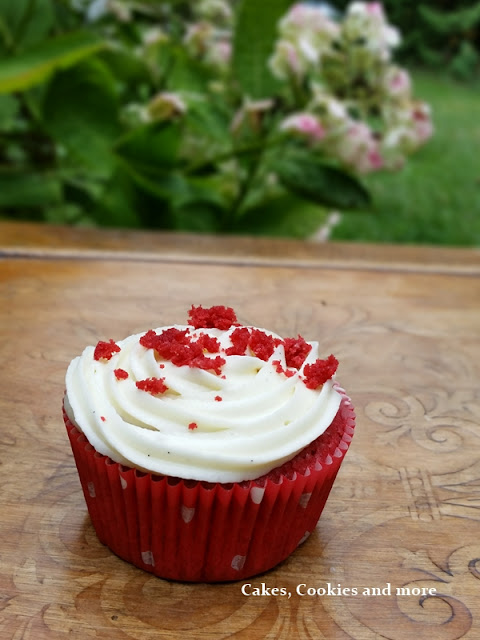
264,418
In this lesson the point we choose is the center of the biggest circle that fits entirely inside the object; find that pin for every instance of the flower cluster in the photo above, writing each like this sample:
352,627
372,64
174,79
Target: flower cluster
341,92
358,106
247,133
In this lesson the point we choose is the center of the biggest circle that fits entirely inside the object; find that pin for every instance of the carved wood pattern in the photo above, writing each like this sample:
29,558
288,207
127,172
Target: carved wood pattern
405,509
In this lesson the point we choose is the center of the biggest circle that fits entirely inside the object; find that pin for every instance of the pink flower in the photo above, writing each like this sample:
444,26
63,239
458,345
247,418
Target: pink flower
375,160
305,124
375,9
398,82
359,149
422,122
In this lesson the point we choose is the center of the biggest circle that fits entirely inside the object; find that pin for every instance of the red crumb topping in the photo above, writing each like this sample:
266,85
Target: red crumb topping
120,374
239,338
296,350
208,364
217,317
182,349
320,371
193,425
262,344
102,418
279,369
218,398
154,386
209,343
105,350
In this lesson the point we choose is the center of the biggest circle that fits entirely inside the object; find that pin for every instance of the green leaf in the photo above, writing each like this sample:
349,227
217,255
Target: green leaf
152,147
173,187
210,125
25,23
80,111
35,65
254,38
309,177
128,203
285,215
199,218
28,190
185,73
9,108
119,205
125,65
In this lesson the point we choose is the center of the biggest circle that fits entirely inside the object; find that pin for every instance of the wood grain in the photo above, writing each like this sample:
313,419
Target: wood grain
404,512
29,240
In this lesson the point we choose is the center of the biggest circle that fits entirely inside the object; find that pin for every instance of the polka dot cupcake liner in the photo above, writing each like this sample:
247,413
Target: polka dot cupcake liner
210,532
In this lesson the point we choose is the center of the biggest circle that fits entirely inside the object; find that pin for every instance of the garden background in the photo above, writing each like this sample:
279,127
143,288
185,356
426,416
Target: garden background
161,115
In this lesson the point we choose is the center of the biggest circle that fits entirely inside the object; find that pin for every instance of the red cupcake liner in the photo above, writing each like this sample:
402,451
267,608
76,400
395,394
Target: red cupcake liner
197,531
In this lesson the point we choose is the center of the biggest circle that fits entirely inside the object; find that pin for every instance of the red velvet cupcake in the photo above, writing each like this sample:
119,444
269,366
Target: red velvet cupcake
206,452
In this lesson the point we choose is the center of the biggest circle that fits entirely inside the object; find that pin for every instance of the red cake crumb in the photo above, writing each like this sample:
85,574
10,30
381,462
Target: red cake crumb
239,338
120,374
182,349
154,386
102,418
165,339
208,364
262,344
218,398
105,350
217,317
296,350
149,339
319,372
193,425
279,369
209,343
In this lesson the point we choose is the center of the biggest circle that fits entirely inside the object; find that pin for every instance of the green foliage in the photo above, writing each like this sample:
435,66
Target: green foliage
88,125
454,33
254,37
310,178
28,190
89,135
34,66
24,24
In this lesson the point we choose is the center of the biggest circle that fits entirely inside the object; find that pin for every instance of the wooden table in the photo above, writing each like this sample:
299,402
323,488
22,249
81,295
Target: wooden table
404,516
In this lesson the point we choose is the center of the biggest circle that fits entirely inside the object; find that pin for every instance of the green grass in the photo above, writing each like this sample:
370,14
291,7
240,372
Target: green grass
435,199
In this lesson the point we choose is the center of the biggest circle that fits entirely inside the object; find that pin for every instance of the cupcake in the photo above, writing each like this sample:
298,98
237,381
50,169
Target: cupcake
206,451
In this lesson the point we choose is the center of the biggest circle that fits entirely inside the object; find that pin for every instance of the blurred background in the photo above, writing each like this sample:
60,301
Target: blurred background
350,121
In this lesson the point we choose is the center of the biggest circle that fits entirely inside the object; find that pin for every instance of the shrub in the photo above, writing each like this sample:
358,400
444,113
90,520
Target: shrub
211,116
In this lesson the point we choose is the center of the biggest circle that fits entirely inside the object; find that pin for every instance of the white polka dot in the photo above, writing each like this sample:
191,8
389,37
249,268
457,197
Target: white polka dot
238,562
303,538
304,499
257,494
147,557
123,482
187,513
91,489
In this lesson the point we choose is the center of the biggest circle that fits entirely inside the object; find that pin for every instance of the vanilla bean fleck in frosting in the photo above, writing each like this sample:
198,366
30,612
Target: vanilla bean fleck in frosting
211,400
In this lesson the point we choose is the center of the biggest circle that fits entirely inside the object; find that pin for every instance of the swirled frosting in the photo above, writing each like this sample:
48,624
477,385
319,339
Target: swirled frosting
234,417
